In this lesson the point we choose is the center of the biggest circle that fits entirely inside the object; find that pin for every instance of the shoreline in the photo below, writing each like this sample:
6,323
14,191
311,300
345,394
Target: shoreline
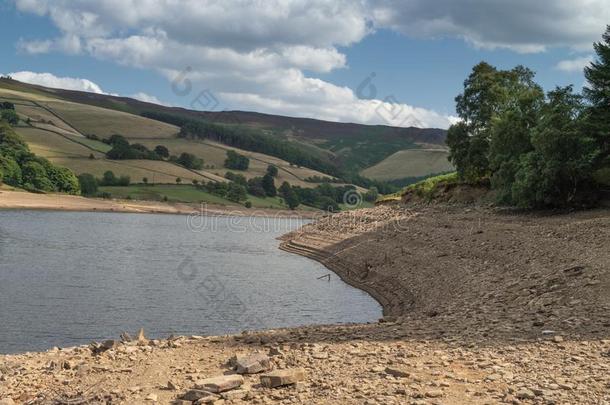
23,200
481,307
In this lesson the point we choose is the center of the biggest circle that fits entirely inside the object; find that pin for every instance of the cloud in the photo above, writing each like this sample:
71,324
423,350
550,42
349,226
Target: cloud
520,25
265,55
574,65
50,80
147,98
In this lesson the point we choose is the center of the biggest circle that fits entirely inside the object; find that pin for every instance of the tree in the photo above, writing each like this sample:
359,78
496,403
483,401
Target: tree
109,179
235,161
272,170
488,93
10,116
88,184
162,151
255,187
269,185
145,180
597,92
236,192
328,204
178,180
10,170
35,176
6,105
190,161
558,171
289,195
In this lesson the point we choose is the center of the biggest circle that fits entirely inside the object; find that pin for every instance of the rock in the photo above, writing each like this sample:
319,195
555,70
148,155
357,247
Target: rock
196,394
141,338
320,355
558,339
125,337
181,402
172,386
279,378
7,401
220,384
524,393
152,397
234,395
251,364
397,372
434,394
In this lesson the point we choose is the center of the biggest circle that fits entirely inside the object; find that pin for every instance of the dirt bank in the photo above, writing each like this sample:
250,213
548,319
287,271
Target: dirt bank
483,307
13,199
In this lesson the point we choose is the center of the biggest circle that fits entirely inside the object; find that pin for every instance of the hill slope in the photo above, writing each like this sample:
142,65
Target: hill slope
352,147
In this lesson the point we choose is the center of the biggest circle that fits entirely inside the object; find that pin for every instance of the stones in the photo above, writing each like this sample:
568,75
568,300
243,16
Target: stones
279,378
525,393
220,383
196,394
251,364
397,372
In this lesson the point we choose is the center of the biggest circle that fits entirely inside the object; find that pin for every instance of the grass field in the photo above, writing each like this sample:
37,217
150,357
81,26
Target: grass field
104,122
410,163
51,145
185,194
214,155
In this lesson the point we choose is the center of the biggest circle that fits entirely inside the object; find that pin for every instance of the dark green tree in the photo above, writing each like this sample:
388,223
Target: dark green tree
10,116
88,184
236,192
597,92
162,151
558,171
272,170
289,195
268,184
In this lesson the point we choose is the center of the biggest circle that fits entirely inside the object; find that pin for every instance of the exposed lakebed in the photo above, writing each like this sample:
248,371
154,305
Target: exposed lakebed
67,278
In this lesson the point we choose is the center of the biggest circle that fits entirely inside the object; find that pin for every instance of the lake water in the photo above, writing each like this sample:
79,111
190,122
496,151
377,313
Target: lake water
67,278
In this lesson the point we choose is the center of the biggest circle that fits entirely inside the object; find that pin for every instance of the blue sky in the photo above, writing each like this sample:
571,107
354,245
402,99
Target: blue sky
299,58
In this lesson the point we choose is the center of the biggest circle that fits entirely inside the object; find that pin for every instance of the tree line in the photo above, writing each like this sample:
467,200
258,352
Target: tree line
536,150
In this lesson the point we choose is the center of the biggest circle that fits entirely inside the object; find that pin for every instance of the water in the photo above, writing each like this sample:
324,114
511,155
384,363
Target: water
69,278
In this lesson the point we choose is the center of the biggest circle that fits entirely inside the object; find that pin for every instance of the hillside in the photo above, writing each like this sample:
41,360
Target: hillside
69,134
349,146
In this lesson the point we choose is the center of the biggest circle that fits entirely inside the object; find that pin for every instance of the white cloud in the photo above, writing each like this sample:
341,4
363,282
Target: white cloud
574,65
147,98
50,80
254,54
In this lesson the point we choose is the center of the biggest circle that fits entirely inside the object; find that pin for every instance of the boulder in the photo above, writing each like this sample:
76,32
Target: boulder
279,378
251,364
197,394
220,384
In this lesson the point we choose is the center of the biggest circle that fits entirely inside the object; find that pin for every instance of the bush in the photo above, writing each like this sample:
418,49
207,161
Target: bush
190,161
235,161
248,204
88,184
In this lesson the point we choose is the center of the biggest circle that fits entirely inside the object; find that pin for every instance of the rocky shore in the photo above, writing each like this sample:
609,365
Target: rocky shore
481,307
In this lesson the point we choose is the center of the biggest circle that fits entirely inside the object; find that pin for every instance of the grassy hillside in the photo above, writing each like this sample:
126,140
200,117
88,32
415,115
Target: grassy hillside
351,147
410,163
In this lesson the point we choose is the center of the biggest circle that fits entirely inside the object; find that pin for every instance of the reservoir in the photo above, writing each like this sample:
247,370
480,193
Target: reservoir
68,278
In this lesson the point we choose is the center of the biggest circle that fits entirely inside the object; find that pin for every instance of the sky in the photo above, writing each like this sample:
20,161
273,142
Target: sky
385,62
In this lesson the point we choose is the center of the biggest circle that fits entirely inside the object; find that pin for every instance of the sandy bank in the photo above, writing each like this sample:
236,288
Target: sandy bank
10,199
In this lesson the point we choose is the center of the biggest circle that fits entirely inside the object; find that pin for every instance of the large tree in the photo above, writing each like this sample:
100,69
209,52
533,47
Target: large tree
597,92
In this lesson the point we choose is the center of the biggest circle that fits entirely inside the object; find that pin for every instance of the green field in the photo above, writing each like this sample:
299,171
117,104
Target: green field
410,163
104,122
183,193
